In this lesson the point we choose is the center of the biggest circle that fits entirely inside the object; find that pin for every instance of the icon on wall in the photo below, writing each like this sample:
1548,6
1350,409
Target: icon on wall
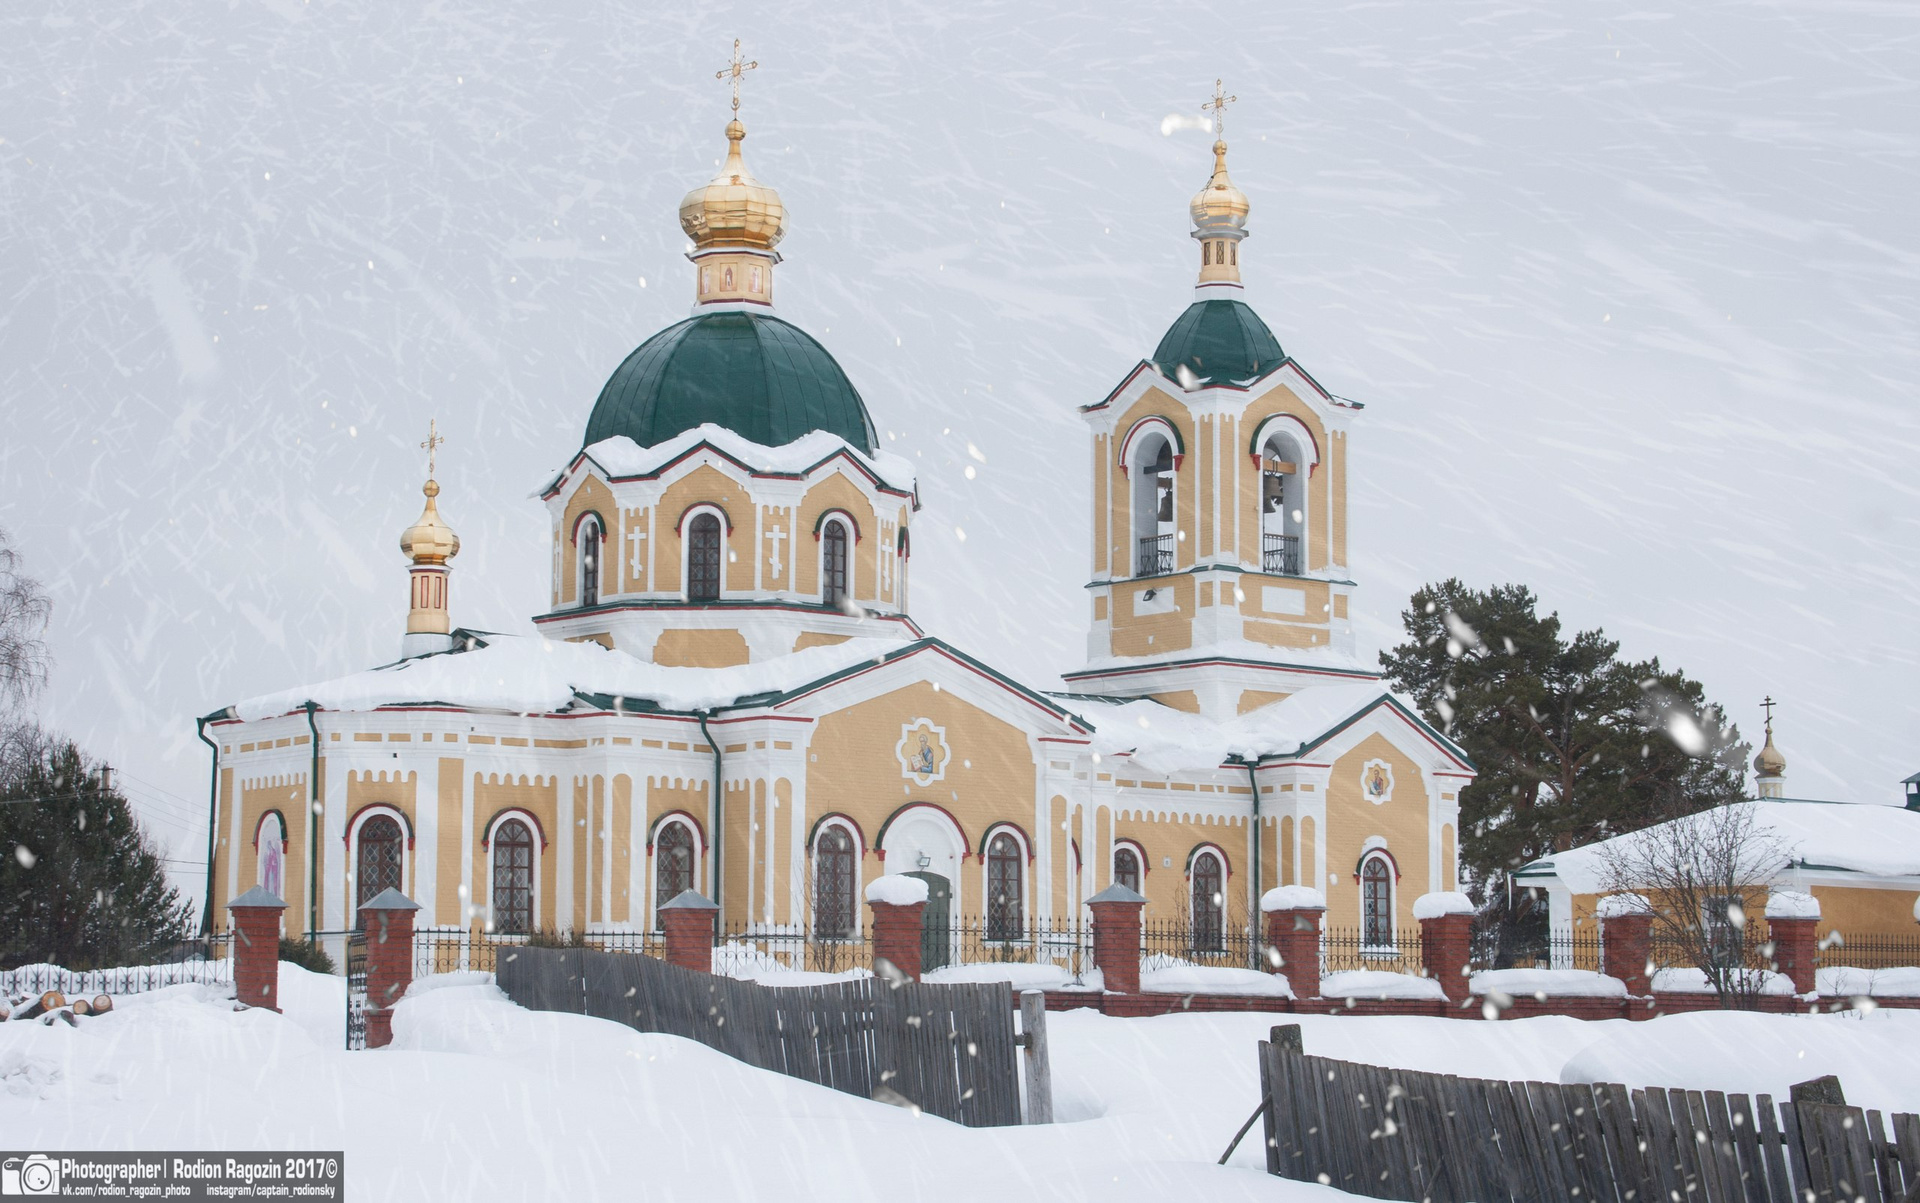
1376,781
923,751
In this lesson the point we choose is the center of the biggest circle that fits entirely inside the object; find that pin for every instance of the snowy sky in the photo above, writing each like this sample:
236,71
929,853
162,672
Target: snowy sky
1632,297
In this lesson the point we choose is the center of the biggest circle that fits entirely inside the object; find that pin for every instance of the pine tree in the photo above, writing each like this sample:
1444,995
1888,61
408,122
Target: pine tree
80,882
1572,743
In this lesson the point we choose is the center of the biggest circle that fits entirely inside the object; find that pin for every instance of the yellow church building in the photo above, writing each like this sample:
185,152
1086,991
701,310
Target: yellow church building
729,694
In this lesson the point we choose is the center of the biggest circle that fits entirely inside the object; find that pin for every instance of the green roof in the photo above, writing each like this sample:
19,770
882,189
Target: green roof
762,378
1223,341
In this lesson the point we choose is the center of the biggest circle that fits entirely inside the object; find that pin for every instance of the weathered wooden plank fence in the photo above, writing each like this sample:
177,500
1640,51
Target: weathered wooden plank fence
1401,1134
948,1049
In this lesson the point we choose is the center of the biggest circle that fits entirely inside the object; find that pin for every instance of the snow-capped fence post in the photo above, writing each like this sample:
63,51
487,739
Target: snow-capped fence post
1792,920
1116,937
688,919
387,921
256,947
1446,938
1293,936
1626,941
899,905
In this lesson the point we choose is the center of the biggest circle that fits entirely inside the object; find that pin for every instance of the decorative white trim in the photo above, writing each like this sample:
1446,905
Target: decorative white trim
1026,865
685,529
352,897
1121,843
813,874
525,818
653,862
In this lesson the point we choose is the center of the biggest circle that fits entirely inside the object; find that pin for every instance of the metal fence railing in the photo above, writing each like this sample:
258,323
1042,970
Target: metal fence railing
1167,943
1869,950
204,959
1345,949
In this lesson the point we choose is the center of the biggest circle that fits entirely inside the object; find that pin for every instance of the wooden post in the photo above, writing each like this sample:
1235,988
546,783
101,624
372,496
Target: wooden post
1033,1038
1287,1036
1820,1090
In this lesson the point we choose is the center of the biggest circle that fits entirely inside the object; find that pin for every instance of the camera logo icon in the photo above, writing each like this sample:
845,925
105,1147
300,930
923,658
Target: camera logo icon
35,1175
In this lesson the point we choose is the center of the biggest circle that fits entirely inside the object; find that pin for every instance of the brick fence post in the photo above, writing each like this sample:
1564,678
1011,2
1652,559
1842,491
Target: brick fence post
1626,941
899,905
1293,936
1445,945
1116,937
256,947
387,921
689,919
1792,922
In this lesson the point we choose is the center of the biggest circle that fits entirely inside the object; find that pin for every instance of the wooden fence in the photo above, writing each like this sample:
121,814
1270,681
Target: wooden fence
948,1050
1399,1134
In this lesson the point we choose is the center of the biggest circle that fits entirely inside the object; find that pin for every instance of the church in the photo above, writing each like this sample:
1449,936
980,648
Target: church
729,694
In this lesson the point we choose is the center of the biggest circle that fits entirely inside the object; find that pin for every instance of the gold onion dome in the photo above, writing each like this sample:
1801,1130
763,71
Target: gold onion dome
733,208
1219,203
430,540
1769,763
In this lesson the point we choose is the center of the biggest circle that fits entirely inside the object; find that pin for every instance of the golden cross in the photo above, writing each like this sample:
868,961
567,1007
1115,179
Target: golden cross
433,443
1218,104
734,70
1767,703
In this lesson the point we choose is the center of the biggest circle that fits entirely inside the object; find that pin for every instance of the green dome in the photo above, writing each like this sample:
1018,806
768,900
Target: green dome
1223,341
762,378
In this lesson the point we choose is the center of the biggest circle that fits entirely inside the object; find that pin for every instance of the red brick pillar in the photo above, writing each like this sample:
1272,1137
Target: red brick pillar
1792,920
1626,941
1293,936
387,921
688,920
899,905
1116,937
256,948
1444,945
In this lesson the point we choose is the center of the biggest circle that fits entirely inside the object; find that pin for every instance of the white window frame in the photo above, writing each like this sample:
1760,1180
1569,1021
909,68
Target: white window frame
686,547
859,862
1391,947
844,521
1139,855
353,854
587,519
1226,884
653,864
539,854
992,833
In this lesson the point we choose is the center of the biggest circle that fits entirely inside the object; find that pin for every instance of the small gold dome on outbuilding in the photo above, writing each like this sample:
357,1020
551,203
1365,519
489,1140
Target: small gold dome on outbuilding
733,208
1219,203
430,540
1769,763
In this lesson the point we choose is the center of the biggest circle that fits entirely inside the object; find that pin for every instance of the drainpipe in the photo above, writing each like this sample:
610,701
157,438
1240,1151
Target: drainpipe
313,828
719,793
1253,945
213,819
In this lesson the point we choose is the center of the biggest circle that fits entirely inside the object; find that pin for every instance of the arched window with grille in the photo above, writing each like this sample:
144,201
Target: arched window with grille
1376,901
672,862
1209,901
703,558
512,878
833,563
1005,870
377,860
833,882
590,540
1126,868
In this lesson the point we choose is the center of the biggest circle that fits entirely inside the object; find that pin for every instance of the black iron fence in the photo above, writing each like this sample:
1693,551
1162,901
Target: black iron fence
1170,943
1156,555
1280,554
1869,950
204,959
1346,949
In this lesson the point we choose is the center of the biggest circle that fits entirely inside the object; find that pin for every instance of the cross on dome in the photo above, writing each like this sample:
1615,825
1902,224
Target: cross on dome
432,443
734,70
1218,104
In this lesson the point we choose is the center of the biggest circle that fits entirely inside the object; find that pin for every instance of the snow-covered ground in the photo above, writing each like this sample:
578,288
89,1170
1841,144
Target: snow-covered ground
479,1098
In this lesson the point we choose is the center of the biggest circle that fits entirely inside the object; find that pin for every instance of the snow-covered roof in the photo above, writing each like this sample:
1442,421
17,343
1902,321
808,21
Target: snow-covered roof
1321,659
1854,837
1168,741
532,675
621,456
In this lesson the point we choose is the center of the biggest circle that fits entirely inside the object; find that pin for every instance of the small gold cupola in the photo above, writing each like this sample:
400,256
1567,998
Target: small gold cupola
429,543
1219,210
735,221
1769,767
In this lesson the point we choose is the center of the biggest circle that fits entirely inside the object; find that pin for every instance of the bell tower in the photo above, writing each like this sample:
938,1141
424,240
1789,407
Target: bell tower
1220,579
429,543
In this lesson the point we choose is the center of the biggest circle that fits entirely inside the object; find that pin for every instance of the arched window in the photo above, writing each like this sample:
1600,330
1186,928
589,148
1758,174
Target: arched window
1376,901
833,563
1005,867
1153,525
270,841
833,882
590,561
703,558
377,865
1283,505
1126,868
512,878
672,862
1209,900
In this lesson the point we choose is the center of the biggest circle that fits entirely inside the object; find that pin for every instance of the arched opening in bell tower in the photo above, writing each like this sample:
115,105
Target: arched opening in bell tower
1283,504
1153,509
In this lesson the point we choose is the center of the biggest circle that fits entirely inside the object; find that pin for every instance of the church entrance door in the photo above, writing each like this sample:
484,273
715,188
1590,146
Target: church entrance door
936,924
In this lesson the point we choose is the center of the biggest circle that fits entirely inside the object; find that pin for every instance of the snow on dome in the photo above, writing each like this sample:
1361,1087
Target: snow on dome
1442,903
1615,906
1791,904
1293,898
619,455
897,889
534,675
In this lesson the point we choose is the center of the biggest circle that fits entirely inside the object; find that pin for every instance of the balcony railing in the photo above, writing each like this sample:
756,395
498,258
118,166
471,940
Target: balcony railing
1156,555
1280,554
